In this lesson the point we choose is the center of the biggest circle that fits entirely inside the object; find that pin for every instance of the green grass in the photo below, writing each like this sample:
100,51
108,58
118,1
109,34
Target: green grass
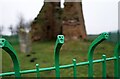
71,49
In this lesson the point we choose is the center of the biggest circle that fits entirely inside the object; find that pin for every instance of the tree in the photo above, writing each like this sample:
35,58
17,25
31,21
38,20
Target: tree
11,29
23,29
22,24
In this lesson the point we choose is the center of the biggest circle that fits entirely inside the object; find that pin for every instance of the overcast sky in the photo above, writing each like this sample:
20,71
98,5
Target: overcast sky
99,15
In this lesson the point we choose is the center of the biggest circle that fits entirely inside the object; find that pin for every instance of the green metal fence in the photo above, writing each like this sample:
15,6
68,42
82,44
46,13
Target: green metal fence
4,44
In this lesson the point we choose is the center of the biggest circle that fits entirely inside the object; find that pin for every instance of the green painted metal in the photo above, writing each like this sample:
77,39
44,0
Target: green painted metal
74,69
37,71
53,68
104,67
4,44
116,61
118,50
59,42
92,47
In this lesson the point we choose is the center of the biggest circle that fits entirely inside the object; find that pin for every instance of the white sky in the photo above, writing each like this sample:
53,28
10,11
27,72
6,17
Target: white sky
100,15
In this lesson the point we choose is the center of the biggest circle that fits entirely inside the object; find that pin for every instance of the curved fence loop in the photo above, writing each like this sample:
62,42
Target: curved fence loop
92,47
4,44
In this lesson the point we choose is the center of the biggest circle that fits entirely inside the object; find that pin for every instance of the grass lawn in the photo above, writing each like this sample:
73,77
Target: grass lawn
43,52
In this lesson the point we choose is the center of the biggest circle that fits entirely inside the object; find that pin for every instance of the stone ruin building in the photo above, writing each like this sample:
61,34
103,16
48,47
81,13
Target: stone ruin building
73,25
53,20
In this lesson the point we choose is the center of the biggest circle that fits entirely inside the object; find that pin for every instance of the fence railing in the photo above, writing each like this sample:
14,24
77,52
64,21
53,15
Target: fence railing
4,44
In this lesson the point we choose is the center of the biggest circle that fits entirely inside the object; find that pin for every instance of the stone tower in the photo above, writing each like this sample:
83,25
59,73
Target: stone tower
47,25
53,20
73,21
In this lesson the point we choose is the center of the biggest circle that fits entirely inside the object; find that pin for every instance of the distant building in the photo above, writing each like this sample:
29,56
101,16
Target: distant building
53,20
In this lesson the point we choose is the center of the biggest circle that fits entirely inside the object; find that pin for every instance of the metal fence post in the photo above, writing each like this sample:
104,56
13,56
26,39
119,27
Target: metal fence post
74,69
104,66
92,47
37,71
58,45
116,61
4,44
